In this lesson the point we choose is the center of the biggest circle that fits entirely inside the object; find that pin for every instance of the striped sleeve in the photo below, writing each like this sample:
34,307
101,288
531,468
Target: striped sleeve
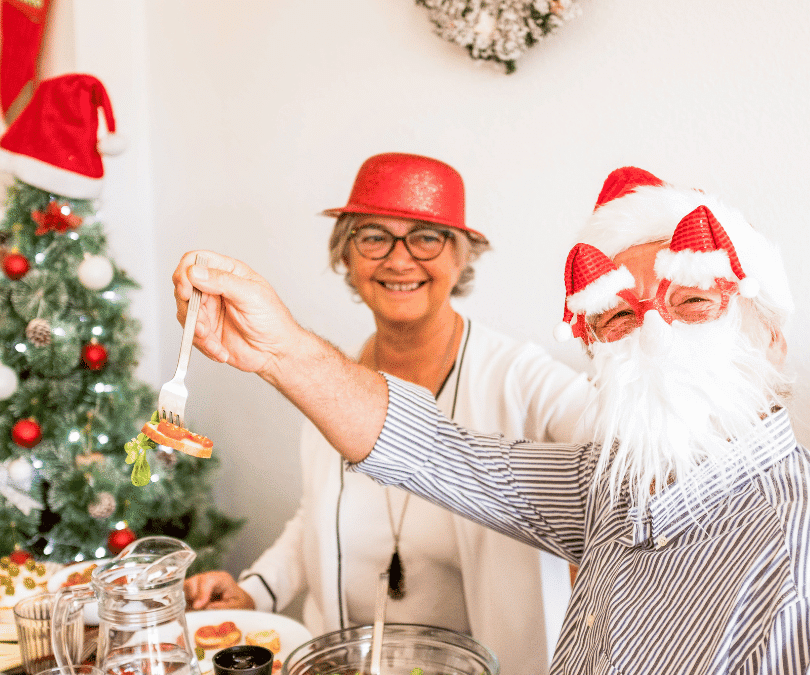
535,493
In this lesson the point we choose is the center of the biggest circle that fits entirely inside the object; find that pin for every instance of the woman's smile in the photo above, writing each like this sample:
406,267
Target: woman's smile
402,286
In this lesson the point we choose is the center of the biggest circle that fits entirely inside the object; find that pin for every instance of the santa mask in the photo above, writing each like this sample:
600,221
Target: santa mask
677,375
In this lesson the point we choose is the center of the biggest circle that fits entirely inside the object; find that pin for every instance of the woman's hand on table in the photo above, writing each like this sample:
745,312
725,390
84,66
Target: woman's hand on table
215,590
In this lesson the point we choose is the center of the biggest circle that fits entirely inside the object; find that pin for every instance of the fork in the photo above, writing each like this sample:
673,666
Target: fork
173,395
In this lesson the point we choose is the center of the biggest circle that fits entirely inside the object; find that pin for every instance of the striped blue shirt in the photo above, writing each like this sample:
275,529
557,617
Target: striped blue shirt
716,586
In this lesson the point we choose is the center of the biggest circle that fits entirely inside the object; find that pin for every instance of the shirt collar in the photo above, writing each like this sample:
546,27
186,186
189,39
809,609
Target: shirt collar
670,511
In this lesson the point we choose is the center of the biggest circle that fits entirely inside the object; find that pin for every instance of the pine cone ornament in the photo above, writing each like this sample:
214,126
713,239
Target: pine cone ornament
103,507
38,332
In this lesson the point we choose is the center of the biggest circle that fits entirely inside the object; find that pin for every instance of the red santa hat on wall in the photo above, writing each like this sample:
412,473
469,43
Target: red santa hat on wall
708,241
54,145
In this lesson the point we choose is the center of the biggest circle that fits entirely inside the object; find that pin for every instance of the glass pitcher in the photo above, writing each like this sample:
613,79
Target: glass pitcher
141,606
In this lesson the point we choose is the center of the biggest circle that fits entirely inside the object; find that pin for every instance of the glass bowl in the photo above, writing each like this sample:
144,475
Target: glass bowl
405,646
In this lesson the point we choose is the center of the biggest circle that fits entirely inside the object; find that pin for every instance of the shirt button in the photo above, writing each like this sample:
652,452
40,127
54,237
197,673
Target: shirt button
589,620
661,541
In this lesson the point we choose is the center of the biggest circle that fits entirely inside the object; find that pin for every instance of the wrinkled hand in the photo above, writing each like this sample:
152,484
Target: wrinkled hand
215,590
242,322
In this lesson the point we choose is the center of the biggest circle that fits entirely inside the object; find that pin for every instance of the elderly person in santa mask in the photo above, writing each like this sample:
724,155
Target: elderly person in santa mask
689,519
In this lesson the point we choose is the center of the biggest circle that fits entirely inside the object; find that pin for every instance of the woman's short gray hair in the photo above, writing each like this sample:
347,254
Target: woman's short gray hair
467,249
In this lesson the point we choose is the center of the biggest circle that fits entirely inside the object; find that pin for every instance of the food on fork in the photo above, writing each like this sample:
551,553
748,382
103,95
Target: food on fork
269,639
160,431
224,635
179,438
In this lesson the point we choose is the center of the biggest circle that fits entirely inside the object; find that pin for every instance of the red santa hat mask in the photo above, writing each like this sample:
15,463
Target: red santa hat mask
701,253
635,207
700,256
592,284
53,144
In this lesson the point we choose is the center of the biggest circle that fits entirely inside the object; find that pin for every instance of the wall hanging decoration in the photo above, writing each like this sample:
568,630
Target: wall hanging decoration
498,30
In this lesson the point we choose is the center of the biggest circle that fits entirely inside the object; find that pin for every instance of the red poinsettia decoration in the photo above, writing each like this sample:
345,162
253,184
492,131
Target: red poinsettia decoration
58,218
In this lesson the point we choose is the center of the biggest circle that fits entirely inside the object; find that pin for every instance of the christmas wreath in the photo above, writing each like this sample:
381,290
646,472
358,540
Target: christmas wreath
498,30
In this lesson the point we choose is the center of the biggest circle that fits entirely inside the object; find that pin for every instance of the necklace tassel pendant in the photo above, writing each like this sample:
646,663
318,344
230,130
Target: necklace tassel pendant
396,577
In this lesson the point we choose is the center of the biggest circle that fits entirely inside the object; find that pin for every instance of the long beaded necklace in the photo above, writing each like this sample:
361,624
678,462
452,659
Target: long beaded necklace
396,572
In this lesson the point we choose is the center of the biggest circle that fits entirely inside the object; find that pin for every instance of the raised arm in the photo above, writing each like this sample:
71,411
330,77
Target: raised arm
242,322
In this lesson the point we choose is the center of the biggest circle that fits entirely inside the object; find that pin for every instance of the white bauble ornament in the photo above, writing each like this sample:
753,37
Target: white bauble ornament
8,382
95,272
20,472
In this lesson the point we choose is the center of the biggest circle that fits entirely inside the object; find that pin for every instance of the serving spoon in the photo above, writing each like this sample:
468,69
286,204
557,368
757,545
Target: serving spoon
379,624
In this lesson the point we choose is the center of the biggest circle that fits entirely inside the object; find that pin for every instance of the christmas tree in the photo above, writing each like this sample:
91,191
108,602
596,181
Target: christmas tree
69,400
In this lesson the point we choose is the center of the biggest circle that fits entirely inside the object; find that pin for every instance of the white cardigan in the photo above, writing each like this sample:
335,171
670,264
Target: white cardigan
498,385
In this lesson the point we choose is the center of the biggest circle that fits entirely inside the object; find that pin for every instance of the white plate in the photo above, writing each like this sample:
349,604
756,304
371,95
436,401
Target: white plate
58,579
8,632
291,632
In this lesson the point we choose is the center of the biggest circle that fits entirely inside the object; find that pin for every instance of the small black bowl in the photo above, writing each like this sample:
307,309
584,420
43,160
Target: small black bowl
243,660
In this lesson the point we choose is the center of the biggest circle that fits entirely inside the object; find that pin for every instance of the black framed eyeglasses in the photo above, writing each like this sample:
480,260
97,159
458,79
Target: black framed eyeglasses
375,242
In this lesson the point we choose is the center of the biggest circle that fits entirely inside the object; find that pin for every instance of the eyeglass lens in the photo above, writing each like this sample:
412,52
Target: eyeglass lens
375,243
679,303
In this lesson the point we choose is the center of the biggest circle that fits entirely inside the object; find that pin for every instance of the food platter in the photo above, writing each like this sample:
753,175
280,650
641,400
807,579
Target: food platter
78,573
291,632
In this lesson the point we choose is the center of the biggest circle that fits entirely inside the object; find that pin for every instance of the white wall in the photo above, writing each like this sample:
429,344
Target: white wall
251,117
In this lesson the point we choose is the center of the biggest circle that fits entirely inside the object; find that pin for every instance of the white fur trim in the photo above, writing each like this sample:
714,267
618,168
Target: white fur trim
693,268
652,213
563,332
49,177
601,294
112,144
749,288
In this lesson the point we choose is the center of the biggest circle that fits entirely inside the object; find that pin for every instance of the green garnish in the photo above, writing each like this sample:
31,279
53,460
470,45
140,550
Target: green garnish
136,454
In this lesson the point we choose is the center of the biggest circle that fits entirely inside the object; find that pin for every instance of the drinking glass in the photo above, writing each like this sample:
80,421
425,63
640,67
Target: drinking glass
32,616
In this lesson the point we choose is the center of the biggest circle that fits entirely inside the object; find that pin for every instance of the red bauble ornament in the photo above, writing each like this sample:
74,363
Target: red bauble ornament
20,557
94,355
120,539
15,266
26,433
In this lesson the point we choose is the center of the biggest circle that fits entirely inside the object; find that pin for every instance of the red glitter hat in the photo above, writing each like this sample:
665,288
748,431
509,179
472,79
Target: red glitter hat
408,186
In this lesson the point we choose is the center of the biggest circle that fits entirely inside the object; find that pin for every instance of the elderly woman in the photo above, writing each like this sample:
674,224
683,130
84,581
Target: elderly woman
406,249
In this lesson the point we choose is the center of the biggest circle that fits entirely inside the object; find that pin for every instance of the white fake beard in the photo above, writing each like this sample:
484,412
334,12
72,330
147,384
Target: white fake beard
673,396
